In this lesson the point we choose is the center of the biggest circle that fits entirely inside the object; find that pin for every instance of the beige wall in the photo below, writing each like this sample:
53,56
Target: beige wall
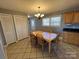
6,11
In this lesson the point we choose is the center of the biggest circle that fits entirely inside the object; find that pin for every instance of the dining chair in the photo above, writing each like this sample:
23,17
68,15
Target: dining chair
40,40
33,39
56,42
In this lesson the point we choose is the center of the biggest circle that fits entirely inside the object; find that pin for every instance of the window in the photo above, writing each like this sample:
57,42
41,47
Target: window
56,21
45,22
32,24
53,21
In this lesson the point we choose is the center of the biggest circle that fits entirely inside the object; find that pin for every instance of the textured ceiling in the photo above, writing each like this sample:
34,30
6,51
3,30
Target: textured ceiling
30,6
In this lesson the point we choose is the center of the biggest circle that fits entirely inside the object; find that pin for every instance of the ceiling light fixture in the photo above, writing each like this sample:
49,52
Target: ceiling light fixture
39,15
28,16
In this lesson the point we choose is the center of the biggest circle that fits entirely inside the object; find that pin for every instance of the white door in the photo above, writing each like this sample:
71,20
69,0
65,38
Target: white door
8,28
2,53
21,24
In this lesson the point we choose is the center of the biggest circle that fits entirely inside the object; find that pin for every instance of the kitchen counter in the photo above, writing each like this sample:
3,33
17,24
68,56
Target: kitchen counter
71,30
71,34
71,37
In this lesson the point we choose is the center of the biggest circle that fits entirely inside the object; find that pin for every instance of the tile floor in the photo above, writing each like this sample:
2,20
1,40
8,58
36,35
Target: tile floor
24,50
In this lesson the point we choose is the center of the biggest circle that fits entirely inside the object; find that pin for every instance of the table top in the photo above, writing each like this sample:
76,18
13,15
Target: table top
49,36
36,32
46,35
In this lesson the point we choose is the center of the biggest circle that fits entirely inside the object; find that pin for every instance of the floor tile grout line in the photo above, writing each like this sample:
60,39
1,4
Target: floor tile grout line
36,50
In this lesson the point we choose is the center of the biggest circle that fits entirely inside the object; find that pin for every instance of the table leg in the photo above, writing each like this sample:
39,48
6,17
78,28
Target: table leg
49,47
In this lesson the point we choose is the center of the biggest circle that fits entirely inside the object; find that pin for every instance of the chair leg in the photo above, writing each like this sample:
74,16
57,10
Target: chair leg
42,47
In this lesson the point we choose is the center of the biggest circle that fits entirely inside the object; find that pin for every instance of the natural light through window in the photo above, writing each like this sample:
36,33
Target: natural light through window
55,21
45,21
33,24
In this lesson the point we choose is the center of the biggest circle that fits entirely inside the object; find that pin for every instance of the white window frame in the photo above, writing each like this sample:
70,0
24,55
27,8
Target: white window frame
50,23
44,22
55,21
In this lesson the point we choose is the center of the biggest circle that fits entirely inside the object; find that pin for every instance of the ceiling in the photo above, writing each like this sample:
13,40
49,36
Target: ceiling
30,6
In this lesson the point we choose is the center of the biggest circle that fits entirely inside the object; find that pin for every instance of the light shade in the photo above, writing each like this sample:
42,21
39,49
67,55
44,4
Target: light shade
39,15
42,15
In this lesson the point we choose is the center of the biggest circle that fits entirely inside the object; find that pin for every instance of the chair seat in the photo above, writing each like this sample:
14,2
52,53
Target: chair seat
33,39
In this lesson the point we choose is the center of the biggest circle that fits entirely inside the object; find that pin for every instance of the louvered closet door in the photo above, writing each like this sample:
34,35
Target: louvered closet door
8,28
2,54
21,24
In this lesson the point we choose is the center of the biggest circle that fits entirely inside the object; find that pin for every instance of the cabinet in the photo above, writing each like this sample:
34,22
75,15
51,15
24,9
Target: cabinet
71,17
21,25
8,28
76,17
71,37
68,17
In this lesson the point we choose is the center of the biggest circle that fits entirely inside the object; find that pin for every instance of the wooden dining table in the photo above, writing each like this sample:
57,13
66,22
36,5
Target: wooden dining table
48,37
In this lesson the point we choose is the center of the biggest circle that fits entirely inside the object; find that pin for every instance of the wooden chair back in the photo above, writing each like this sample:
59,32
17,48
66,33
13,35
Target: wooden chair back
40,39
